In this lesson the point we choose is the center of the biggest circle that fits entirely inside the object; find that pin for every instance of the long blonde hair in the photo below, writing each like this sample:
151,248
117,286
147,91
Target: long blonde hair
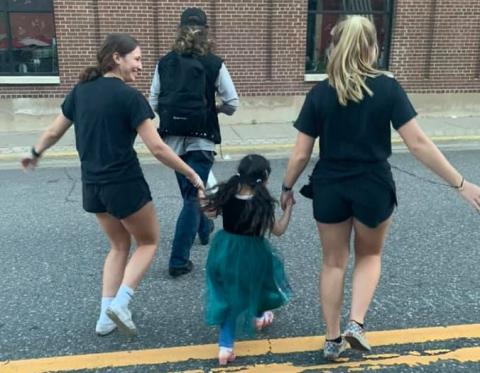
353,54
192,40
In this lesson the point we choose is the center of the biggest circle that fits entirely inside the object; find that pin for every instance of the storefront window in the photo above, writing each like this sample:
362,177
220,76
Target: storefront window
27,38
324,14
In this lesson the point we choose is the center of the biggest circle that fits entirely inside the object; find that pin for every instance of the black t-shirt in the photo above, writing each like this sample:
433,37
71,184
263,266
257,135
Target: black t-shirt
106,113
358,134
232,214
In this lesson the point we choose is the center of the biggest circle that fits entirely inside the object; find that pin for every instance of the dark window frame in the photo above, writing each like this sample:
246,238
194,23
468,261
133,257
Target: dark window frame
387,12
5,10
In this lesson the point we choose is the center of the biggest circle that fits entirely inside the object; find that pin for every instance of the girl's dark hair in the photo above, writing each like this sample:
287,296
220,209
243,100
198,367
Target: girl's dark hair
259,213
192,40
119,43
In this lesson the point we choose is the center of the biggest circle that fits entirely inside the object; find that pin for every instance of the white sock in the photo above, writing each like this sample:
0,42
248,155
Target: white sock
105,303
124,296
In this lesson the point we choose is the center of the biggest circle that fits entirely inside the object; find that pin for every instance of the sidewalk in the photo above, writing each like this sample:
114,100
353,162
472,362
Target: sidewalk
264,137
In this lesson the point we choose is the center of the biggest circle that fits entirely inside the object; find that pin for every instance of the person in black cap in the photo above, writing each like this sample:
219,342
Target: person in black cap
183,93
193,17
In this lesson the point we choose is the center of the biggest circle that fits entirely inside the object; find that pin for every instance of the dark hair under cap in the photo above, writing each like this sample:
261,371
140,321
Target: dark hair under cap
193,17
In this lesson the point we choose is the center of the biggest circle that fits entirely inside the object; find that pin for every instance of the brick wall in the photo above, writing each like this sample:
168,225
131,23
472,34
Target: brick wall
435,45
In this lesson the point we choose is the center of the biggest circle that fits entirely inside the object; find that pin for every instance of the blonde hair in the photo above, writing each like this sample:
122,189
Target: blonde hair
353,54
192,40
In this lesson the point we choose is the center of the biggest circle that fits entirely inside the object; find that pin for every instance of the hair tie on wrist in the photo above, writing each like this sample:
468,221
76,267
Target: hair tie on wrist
35,153
461,186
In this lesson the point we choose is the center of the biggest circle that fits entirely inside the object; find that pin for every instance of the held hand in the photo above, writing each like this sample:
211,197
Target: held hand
202,198
29,162
290,203
471,193
286,198
201,194
289,206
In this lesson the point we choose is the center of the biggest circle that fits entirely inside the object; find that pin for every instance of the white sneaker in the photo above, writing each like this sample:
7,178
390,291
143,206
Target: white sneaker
122,317
105,328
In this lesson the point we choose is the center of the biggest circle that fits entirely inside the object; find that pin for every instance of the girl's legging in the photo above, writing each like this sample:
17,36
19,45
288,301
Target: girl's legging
227,333
226,336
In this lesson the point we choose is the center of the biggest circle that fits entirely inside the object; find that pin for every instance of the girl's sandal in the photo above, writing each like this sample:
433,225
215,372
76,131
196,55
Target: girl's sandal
225,356
265,320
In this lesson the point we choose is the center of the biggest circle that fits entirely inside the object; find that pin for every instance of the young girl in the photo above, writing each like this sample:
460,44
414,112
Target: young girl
245,278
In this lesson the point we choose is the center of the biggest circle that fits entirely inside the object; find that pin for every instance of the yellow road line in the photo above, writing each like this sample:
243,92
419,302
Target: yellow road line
238,148
244,348
413,359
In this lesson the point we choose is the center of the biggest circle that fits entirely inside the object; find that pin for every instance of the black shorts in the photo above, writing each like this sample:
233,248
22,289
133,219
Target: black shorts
119,199
367,199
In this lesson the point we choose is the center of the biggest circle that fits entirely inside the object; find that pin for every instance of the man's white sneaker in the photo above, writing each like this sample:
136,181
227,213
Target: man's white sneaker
105,328
122,317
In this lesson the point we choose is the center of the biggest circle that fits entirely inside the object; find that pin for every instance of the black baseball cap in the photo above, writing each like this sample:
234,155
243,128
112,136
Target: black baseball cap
193,17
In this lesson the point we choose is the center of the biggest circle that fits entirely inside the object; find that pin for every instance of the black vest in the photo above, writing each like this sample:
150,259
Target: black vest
211,64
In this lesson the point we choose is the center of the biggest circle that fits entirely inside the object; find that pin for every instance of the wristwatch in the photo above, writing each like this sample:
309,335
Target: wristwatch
35,153
286,189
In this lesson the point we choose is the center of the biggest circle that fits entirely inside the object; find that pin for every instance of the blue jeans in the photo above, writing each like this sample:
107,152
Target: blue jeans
191,219
226,335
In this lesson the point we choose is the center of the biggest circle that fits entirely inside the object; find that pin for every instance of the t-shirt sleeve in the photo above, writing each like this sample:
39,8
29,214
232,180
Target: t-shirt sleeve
402,109
68,105
139,109
307,121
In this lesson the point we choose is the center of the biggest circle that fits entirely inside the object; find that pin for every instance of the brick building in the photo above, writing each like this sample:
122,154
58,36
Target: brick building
274,49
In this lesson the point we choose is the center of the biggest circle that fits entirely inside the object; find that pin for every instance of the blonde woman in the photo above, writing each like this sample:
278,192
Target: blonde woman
183,92
352,185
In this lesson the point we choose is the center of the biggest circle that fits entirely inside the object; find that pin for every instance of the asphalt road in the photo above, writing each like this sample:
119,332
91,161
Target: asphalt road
52,254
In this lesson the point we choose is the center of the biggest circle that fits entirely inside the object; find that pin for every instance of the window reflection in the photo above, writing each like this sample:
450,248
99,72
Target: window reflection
27,38
323,15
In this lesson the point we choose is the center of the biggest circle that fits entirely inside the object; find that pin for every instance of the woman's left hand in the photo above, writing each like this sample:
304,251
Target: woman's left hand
471,193
29,162
285,197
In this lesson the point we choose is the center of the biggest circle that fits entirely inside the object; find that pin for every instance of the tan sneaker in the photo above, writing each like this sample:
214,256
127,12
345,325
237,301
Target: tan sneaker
355,335
332,350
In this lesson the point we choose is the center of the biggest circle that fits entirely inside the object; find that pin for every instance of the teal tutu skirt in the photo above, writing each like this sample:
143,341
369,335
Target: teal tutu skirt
245,277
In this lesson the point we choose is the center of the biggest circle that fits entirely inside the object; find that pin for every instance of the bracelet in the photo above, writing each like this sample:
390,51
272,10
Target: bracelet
461,186
286,189
35,153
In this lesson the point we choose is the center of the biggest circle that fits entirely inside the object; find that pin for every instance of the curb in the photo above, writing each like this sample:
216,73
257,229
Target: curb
142,151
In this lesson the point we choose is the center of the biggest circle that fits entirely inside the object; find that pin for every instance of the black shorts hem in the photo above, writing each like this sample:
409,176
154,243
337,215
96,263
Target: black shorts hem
126,214
94,211
369,224
120,200
379,221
